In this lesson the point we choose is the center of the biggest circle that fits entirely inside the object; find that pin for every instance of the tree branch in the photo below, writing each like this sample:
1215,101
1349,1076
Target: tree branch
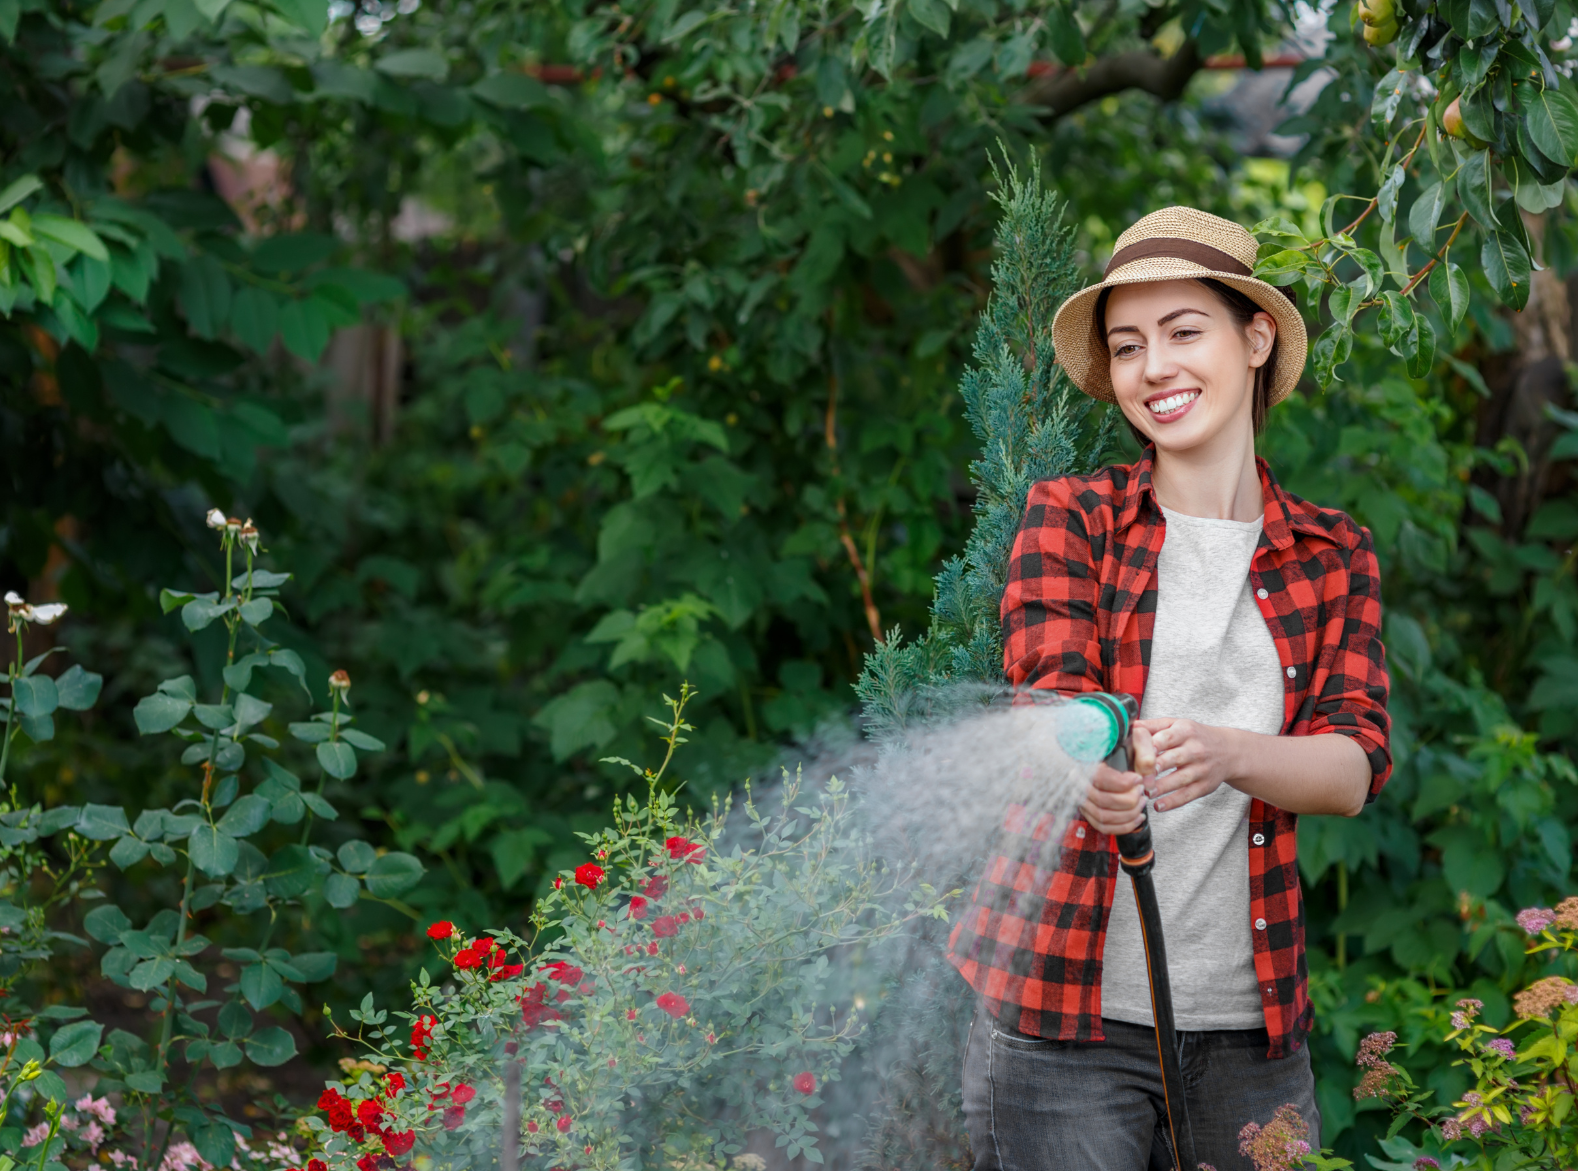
1065,91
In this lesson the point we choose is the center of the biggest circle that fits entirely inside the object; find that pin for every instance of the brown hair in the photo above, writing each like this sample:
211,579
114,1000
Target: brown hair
1242,309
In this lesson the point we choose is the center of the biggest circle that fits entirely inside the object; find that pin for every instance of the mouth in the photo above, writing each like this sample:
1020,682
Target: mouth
1171,405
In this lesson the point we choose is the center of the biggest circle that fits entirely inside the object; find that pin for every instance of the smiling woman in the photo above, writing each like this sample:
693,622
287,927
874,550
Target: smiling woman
1247,621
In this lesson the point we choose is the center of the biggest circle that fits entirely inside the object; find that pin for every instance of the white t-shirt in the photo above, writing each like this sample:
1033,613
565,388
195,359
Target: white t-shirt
1212,661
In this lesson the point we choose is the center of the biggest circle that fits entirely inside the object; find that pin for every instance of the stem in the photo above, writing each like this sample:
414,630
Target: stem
10,712
54,1128
1342,905
1436,259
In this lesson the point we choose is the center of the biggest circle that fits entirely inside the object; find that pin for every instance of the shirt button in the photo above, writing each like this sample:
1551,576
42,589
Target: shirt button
1269,992
1079,831
1260,839
1260,924
1262,593
1293,672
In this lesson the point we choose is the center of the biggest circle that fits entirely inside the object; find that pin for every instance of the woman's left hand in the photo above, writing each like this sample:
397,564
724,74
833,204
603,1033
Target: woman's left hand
1201,756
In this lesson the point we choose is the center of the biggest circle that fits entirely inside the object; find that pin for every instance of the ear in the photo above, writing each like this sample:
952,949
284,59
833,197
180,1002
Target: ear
1260,332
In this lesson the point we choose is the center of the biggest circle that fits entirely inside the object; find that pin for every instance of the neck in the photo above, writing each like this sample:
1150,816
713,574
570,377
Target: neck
1217,480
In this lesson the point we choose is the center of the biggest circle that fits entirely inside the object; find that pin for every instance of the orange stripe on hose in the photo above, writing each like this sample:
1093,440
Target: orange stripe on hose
1139,861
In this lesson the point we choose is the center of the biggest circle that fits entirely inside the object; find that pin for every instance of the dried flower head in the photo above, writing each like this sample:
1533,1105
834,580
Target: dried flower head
1281,1145
1542,997
1380,1075
340,681
215,519
1567,913
1426,1163
19,611
249,535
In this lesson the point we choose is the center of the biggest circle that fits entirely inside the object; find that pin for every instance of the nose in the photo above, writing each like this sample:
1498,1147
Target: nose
1159,364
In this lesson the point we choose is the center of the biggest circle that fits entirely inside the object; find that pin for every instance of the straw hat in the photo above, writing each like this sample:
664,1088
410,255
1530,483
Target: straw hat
1176,243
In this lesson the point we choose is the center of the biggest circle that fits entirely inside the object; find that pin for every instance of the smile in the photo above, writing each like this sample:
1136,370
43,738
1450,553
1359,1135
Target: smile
1173,403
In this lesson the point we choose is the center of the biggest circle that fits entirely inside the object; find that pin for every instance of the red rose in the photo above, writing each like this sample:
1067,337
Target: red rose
421,1035
462,1094
443,929
558,883
498,969
317,1165
357,1132
393,1084
674,1004
564,1124
664,926
531,1128
399,1144
684,916
805,1083
638,907
454,1116
468,957
655,887
652,948
684,848
696,911
554,1105
564,972
367,1163
589,874
630,1014
368,1112
535,1008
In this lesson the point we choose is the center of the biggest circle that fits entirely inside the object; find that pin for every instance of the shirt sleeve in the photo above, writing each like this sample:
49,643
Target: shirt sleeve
1352,701
1049,605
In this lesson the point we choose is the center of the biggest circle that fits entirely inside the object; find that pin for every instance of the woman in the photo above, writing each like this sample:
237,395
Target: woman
1248,623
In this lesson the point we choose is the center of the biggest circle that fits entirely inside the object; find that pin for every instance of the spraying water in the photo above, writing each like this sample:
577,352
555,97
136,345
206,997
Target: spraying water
757,990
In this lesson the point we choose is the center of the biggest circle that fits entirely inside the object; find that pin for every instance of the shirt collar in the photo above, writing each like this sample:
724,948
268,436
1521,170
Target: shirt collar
1284,514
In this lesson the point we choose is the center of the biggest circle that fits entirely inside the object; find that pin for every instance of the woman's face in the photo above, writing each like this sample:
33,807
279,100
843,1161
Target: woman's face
1183,369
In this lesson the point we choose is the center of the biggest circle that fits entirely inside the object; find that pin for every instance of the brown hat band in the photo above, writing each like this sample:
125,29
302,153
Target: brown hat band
1190,250
1175,249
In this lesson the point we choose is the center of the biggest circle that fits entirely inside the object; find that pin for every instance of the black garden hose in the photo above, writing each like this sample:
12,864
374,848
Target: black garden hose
1137,858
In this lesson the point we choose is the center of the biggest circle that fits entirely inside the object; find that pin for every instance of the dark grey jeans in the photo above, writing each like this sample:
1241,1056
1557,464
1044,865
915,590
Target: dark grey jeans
1034,1105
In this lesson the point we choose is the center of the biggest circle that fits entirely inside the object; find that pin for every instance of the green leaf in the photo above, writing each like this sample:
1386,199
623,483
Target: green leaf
101,823
147,1081
78,690
303,329
213,852
1474,188
201,611
362,740
1425,215
35,695
1388,94
1552,118
50,1086
18,190
341,890
270,1046
1396,319
393,874
292,871
75,1044
39,729
1506,266
1068,41
128,851
510,90
248,815
423,63
1422,357
234,1020
76,236
257,611
151,973
337,759
261,985
250,710
1449,290
311,15
106,923
205,297
315,966
319,806
357,857
254,318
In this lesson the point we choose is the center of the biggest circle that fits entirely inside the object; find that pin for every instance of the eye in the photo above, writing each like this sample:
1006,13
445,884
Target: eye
1184,333
1126,349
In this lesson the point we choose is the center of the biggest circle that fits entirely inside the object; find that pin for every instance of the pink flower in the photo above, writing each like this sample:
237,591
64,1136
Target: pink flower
1502,1046
100,1108
93,1134
1534,920
35,1135
805,1082
674,1004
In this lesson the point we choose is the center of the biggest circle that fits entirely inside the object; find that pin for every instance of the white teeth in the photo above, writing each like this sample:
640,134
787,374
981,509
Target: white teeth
1163,406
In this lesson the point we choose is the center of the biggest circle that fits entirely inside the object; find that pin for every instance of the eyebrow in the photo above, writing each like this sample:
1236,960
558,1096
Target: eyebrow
1161,321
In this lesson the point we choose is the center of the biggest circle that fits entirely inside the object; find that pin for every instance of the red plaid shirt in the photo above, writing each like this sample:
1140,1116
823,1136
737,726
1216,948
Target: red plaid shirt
1078,614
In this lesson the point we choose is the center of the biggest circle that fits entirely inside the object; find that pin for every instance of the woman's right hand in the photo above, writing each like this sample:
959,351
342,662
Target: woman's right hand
1115,802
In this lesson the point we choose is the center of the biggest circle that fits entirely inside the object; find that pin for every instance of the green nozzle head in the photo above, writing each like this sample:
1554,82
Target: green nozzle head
1091,726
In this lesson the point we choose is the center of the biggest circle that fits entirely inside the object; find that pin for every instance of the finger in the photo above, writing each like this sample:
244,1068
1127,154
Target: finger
1112,781
1144,751
1172,782
1186,795
1180,756
1114,804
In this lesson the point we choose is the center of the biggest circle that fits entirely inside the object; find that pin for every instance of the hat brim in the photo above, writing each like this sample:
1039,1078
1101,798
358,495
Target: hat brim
1085,357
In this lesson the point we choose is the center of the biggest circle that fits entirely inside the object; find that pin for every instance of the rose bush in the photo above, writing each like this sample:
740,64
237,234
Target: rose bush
674,996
